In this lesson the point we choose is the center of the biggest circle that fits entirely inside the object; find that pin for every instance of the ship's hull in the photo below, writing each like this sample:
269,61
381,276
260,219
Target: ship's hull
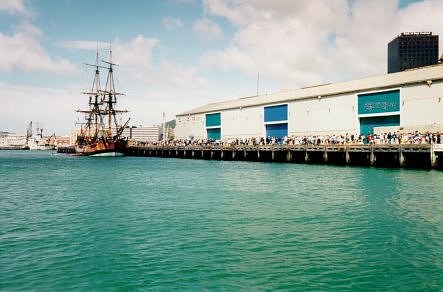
108,154
101,149
42,147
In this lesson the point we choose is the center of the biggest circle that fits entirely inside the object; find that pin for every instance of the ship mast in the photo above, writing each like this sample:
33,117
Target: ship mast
29,132
110,93
110,97
93,114
96,104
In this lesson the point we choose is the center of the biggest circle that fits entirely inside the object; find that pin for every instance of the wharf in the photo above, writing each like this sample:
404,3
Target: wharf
422,156
66,149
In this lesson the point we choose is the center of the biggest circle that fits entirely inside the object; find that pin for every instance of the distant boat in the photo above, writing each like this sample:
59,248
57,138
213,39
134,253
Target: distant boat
37,142
100,134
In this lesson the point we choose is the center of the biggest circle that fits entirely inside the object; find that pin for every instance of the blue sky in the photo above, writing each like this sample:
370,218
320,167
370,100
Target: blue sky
178,54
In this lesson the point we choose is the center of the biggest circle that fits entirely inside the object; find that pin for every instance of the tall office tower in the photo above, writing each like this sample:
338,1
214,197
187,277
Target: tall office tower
411,50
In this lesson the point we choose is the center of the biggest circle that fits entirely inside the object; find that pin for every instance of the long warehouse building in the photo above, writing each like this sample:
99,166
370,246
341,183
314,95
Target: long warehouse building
406,101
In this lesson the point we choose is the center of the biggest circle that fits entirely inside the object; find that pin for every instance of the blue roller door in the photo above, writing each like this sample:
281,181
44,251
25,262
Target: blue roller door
276,113
277,130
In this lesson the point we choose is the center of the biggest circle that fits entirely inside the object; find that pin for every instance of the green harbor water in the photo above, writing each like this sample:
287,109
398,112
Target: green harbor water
137,223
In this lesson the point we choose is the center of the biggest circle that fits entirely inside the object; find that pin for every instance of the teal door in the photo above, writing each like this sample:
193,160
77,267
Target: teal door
367,125
214,133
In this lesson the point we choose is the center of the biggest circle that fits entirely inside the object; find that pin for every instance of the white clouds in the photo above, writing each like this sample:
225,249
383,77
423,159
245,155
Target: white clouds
239,13
312,41
54,108
140,63
13,6
23,51
291,44
230,58
135,56
137,51
206,29
423,16
28,28
170,23
84,45
181,75
283,45
281,38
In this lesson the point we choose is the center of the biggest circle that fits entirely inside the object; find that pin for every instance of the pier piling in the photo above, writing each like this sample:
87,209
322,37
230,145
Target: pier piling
423,156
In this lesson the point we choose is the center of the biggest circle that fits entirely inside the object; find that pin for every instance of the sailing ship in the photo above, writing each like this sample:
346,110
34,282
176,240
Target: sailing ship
100,133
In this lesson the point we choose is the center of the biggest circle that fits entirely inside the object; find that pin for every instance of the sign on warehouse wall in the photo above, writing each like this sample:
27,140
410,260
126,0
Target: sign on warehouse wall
379,102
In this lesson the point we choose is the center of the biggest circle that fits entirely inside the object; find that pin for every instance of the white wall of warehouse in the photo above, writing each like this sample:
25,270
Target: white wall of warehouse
323,115
190,126
242,123
421,108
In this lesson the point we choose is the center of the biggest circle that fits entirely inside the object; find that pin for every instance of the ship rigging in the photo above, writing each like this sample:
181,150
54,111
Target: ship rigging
100,133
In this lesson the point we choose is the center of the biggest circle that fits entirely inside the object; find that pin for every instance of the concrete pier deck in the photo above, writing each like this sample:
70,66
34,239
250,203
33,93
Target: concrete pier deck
422,156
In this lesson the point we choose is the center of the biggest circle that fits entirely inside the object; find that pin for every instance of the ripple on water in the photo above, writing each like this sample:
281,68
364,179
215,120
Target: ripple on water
163,224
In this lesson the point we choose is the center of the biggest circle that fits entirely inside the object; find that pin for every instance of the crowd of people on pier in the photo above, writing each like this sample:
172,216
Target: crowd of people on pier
342,139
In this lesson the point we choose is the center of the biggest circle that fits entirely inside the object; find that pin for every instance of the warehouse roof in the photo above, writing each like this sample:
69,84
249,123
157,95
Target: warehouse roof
423,74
